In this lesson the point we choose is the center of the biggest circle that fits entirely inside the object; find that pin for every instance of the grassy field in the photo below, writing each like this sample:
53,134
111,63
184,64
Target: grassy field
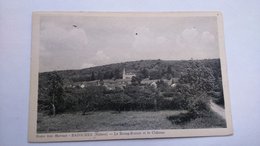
106,121
114,121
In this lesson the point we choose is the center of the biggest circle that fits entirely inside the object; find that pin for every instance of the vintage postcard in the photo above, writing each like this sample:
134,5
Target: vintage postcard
103,76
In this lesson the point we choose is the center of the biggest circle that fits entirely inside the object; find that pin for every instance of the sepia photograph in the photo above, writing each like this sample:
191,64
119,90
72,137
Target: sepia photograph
98,76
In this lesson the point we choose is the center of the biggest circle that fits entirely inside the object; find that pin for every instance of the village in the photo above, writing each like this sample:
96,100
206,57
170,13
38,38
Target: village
112,84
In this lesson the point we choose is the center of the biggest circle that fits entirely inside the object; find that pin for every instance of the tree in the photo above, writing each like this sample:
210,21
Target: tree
136,80
145,73
155,74
117,74
142,98
89,98
93,76
100,76
169,72
107,75
111,75
195,86
162,86
55,93
154,95
101,82
120,101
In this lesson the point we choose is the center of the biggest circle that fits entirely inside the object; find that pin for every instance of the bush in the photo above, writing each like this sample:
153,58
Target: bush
181,118
143,97
120,102
188,121
199,105
168,94
89,98
162,86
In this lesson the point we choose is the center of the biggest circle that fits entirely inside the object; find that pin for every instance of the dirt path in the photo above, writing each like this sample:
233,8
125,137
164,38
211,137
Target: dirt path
217,109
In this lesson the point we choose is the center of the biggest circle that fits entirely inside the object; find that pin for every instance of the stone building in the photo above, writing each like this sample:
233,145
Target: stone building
127,76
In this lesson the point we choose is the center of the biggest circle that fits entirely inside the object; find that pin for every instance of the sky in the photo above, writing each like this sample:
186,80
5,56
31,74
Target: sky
76,42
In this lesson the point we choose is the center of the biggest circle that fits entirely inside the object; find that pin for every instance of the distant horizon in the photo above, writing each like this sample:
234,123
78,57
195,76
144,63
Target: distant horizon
131,61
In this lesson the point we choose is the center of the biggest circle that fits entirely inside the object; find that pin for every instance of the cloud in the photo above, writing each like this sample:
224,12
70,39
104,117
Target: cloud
59,43
161,40
201,44
190,35
207,38
87,65
100,55
69,39
150,45
100,41
100,58
191,38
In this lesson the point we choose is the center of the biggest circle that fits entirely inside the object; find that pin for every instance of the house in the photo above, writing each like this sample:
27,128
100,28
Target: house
82,86
148,81
154,85
171,81
128,76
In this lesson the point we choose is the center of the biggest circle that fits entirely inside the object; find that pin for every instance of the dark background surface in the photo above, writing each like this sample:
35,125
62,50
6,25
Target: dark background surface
242,33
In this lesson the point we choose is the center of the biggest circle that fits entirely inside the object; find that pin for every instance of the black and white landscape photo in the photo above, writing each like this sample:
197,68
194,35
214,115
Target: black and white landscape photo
123,72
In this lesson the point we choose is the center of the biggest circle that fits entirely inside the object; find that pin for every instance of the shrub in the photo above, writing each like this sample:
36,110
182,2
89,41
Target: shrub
168,94
188,121
89,98
182,118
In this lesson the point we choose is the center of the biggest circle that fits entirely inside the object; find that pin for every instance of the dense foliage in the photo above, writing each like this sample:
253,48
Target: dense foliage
198,82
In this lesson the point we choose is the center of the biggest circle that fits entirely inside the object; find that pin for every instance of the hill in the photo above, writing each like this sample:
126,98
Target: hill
154,69
155,84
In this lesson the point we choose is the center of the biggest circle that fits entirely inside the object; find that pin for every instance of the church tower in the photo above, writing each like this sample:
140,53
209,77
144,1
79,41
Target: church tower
127,76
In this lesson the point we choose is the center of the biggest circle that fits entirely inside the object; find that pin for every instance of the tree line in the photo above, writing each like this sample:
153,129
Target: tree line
192,93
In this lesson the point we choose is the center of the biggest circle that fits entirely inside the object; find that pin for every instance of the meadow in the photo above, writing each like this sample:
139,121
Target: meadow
126,120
